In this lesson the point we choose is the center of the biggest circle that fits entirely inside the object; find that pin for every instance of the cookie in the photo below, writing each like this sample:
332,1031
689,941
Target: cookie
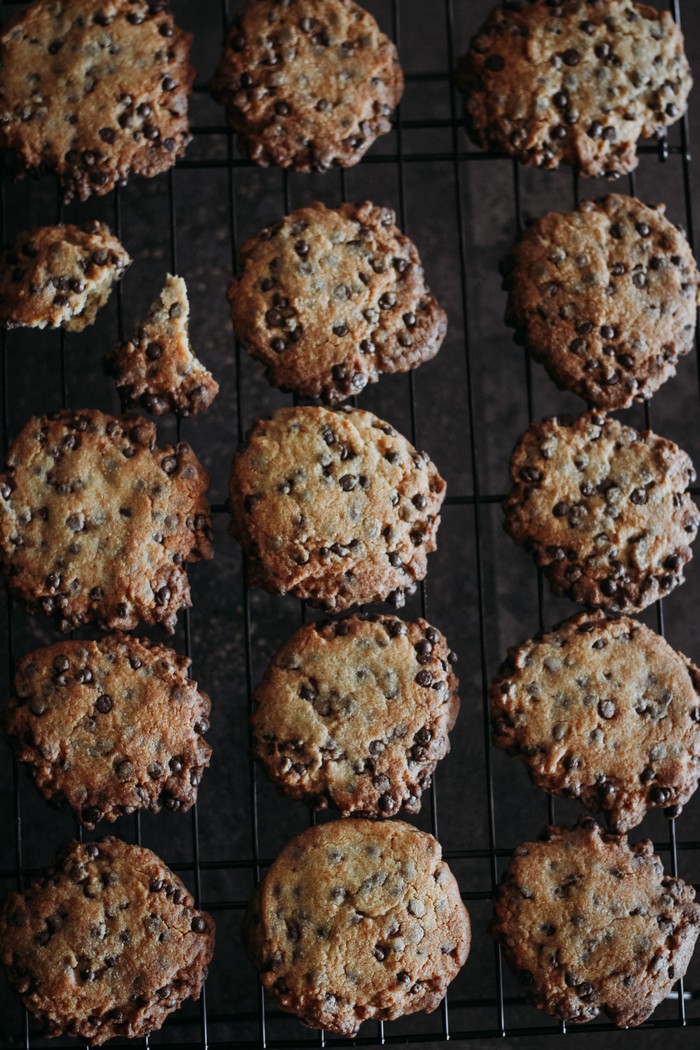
307,90
357,920
604,510
108,943
605,711
356,713
96,522
590,923
329,298
59,276
575,82
605,297
110,726
156,368
95,91
334,507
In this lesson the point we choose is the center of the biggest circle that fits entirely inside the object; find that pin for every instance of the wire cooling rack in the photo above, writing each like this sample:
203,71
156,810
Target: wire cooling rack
463,207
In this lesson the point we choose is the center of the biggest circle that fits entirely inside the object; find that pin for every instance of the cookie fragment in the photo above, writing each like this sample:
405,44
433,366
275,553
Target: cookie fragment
335,507
356,713
603,509
605,297
329,298
156,368
108,943
59,276
574,82
605,711
307,90
357,920
94,91
590,923
97,523
110,726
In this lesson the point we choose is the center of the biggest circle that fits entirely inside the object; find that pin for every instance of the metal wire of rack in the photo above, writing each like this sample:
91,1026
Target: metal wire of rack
498,1011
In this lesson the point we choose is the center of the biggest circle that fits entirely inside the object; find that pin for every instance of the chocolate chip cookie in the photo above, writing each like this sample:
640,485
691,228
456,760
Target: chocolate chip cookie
59,276
605,297
358,920
110,726
590,923
329,298
356,713
107,943
334,507
96,522
574,82
95,91
605,711
604,510
156,368
307,86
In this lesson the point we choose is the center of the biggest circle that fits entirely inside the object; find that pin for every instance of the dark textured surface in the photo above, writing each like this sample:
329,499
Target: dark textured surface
443,426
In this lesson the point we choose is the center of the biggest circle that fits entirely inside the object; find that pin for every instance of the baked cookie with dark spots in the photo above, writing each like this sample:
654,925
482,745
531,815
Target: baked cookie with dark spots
605,297
329,298
307,86
110,726
602,710
156,368
358,920
107,943
356,713
59,276
95,90
574,82
590,923
603,509
97,523
335,507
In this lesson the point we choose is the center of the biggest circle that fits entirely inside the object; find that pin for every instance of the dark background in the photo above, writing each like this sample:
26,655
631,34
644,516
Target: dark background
463,211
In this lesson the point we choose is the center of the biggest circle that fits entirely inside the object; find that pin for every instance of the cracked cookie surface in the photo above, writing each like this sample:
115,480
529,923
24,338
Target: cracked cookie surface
591,923
107,943
602,710
356,713
95,91
605,297
110,726
96,522
334,507
308,86
358,920
603,509
330,298
574,82
59,276
156,368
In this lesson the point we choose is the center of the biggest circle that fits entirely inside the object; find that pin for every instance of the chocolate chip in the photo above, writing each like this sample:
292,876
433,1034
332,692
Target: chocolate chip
348,482
643,229
199,925
561,509
424,678
639,497
495,63
104,704
571,57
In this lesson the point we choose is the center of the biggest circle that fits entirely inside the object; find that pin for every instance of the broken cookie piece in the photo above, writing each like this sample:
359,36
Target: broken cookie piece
156,368
59,276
